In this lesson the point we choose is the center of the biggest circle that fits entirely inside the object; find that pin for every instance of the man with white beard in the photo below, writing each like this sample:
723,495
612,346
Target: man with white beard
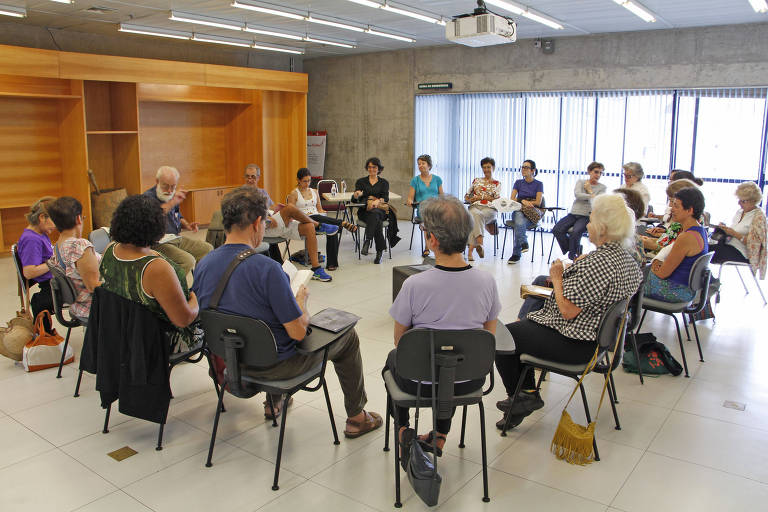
183,251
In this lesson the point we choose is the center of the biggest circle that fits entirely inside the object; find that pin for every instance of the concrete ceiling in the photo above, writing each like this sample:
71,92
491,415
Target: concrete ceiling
579,17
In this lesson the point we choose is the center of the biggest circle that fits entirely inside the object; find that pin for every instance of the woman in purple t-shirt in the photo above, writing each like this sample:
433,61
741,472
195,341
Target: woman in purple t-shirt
34,249
529,192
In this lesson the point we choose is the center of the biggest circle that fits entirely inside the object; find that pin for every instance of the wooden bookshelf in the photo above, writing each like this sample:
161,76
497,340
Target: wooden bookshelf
62,113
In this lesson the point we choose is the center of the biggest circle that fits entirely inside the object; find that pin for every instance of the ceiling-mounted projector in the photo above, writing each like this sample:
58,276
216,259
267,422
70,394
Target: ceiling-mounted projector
481,28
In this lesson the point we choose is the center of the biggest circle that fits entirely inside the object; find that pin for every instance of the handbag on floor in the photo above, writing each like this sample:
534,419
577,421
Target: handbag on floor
572,442
45,349
19,331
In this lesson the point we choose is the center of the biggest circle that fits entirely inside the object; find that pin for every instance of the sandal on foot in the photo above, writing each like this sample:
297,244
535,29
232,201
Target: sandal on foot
371,422
269,414
480,251
352,228
425,253
426,443
406,438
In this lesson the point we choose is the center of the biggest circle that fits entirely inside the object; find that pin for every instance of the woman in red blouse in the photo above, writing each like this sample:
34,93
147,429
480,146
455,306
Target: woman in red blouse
480,195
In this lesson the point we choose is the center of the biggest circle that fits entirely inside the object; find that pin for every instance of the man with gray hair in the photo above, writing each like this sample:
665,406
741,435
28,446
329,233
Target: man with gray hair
183,251
452,295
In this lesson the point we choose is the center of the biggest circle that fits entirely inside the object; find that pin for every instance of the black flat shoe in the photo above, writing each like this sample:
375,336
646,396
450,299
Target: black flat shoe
513,422
377,259
366,246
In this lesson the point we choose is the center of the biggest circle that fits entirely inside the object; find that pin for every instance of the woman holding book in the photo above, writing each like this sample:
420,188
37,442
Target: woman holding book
480,195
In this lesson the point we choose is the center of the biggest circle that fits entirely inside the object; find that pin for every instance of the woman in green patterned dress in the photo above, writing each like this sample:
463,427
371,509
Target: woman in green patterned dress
134,271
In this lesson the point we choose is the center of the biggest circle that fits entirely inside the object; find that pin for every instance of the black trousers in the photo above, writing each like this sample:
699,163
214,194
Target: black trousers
725,252
539,341
42,301
331,242
373,220
402,415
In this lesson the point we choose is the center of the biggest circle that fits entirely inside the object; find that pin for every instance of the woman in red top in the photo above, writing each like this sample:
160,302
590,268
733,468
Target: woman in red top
480,195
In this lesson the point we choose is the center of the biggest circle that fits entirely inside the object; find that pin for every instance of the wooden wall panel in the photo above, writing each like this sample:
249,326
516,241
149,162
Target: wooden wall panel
189,136
191,93
128,69
249,78
284,140
30,153
74,160
13,224
30,85
15,60
101,160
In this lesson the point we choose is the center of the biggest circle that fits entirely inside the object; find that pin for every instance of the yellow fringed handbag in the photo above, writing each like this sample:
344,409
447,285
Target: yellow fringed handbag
572,442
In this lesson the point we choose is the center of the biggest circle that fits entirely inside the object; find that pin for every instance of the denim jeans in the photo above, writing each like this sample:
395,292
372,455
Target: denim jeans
522,224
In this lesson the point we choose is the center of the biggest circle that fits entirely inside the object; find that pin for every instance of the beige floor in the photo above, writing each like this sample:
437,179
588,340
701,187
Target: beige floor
679,448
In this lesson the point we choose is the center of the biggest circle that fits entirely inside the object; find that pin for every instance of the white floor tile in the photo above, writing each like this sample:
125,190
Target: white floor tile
18,442
310,495
118,501
52,481
715,444
687,487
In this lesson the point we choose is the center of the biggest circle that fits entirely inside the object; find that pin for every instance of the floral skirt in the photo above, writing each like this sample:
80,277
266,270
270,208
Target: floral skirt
666,290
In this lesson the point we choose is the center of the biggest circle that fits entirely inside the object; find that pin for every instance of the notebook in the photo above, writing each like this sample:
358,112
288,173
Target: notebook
333,320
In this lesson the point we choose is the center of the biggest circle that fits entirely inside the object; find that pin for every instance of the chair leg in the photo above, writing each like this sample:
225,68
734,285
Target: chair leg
696,333
219,407
463,426
685,324
642,319
611,392
77,386
504,243
330,413
738,272
105,430
396,442
519,386
637,356
386,424
272,406
551,246
486,499
413,227
680,341
589,419
760,290
64,352
275,487
160,438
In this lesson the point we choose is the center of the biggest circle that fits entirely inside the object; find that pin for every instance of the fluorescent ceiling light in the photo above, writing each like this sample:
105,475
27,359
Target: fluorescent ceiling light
367,3
64,1
422,17
272,33
391,36
527,12
637,9
12,10
267,10
275,49
151,31
332,43
205,20
205,38
334,24
757,5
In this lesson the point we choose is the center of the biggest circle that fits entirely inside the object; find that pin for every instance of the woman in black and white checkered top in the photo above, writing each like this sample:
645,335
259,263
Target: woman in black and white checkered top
565,328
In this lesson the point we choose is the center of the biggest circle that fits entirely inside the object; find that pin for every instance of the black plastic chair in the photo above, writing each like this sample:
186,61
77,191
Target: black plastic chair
63,295
612,325
415,221
470,353
244,342
698,282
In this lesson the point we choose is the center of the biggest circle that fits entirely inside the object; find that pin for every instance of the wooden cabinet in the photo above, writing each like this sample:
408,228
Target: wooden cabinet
200,204
64,113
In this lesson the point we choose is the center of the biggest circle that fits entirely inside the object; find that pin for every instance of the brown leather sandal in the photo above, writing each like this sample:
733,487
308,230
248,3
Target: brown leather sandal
269,414
352,228
372,422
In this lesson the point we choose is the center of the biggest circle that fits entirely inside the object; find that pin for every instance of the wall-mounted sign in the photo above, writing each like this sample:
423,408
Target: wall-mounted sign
436,86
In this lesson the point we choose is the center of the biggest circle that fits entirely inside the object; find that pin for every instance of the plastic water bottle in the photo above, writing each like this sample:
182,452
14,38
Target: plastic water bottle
343,187
334,190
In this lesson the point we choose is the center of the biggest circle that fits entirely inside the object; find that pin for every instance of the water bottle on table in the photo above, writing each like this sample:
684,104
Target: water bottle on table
334,190
343,187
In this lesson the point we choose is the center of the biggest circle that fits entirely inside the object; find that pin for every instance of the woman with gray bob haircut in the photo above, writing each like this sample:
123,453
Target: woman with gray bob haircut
633,175
447,219
452,295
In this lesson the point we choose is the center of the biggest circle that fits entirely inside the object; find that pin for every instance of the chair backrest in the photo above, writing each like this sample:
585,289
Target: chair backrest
698,280
63,294
239,340
477,346
100,239
23,283
324,187
610,324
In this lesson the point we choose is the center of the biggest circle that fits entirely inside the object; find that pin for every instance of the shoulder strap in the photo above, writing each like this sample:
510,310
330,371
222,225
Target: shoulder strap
216,297
58,257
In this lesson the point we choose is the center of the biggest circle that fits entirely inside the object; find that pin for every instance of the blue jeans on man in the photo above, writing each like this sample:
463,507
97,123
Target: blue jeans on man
522,225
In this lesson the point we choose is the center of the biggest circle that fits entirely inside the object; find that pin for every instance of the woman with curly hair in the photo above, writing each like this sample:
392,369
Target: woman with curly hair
134,271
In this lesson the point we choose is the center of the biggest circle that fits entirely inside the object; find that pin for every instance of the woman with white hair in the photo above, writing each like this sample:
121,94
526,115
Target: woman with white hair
747,232
633,175
565,328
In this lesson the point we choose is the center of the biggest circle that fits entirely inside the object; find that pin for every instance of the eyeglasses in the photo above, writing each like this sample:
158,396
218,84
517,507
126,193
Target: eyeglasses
526,167
628,175
742,201
251,177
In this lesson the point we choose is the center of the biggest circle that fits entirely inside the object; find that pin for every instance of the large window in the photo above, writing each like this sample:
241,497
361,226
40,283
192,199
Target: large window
719,134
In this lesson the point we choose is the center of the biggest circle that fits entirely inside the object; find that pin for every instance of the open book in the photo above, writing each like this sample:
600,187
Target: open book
532,290
296,276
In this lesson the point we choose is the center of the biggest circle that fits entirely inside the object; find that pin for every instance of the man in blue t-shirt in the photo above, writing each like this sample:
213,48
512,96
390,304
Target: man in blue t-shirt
260,289
182,250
